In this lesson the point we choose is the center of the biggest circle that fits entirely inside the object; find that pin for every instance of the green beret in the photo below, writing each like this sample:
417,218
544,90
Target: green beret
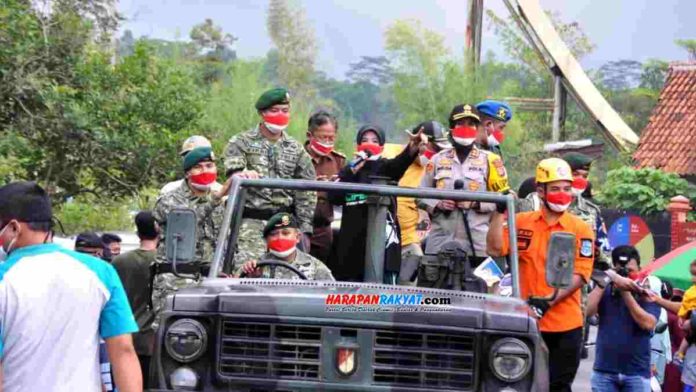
578,161
272,97
198,154
278,221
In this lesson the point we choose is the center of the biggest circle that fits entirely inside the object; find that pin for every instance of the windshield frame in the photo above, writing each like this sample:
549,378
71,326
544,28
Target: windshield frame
234,210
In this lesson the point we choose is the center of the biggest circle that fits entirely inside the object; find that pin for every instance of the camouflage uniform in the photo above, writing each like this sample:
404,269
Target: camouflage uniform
285,158
307,264
209,213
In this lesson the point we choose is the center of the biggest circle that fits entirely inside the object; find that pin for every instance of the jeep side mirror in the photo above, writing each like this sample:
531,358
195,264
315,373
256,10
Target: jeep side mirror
180,239
560,260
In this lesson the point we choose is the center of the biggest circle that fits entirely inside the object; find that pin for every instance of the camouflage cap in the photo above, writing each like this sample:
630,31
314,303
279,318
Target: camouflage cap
197,155
278,221
193,142
578,161
276,96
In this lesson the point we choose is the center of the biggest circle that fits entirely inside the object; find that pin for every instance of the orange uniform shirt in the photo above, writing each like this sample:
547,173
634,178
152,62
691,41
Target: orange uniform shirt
533,235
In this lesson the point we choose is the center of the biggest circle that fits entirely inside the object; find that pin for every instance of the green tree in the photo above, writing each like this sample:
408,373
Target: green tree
427,80
295,41
645,190
689,45
654,74
212,41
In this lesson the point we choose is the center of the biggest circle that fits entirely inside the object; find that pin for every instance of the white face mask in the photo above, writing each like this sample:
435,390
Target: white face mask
492,141
275,129
577,192
6,249
282,254
200,187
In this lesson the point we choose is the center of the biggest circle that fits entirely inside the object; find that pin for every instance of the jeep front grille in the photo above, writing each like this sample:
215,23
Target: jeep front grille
426,360
269,350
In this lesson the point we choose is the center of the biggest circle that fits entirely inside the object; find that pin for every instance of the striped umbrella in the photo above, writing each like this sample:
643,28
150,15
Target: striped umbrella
674,266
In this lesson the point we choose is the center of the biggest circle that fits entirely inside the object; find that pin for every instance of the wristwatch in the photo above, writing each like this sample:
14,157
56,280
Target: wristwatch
600,278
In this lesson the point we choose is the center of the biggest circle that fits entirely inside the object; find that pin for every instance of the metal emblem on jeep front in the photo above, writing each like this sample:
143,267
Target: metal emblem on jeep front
346,361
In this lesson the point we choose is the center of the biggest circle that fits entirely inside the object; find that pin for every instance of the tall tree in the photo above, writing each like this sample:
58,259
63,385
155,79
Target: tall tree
689,45
621,74
297,47
212,41
653,74
372,69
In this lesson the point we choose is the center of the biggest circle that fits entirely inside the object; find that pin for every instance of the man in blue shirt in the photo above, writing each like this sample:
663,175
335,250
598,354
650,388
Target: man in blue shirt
55,305
622,361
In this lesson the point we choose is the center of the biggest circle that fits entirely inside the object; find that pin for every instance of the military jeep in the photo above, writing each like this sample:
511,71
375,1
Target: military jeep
229,334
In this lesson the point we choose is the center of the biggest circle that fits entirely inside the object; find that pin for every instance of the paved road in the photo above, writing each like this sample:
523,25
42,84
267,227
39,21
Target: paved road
582,378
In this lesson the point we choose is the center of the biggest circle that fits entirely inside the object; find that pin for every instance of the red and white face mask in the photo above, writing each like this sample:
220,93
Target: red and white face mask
579,185
463,135
558,201
203,181
374,149
276,122
425,157
282,247
496,138
320,147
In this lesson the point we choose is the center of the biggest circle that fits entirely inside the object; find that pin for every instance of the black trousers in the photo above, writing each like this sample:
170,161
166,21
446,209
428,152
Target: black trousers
145,368
564,357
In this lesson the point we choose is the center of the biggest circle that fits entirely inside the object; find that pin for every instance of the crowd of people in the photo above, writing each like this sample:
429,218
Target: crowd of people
71,295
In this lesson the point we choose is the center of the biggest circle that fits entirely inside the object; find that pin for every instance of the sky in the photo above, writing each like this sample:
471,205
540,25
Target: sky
347,29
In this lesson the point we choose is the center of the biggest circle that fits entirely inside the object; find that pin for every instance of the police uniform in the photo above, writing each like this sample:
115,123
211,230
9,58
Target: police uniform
209,213
481,171
285,158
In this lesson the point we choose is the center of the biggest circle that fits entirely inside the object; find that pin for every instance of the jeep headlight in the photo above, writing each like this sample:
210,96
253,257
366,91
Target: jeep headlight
186,340
510,359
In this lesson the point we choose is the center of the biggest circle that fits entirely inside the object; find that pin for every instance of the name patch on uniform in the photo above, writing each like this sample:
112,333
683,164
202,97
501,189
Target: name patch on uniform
525,233
586,247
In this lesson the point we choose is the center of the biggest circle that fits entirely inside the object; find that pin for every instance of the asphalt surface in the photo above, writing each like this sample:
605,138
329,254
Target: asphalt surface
582,378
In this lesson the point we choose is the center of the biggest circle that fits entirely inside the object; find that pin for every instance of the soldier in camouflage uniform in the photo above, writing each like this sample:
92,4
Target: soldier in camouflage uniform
267,151
194,193
281,235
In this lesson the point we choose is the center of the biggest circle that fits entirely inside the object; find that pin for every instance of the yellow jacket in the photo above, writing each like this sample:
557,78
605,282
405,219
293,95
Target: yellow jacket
407,211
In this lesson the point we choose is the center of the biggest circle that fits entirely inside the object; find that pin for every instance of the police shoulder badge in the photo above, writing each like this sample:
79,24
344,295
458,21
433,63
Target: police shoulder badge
429,168
586,247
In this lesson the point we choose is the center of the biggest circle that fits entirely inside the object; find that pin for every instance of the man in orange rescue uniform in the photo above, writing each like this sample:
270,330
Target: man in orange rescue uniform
560,320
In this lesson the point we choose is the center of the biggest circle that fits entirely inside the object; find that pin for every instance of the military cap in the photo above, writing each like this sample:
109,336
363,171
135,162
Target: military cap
24,201
197,155
374,128
192,142
461,111
88,240
278,221
496,109
578,161
272,97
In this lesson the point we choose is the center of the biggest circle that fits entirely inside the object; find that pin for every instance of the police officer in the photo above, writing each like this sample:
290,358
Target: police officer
268,151
189,144
195,193
494,116
466,167
322,129
282,235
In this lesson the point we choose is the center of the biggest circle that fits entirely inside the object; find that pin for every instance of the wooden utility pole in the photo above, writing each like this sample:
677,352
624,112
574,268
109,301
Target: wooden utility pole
474,32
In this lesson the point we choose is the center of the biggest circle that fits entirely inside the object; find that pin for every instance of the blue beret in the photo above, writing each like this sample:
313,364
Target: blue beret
496,109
